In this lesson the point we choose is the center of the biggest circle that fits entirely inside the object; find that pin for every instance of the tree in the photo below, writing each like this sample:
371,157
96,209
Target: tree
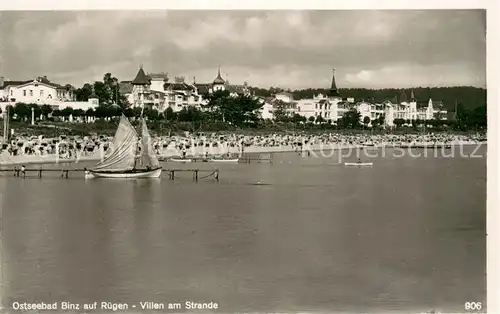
35,109
190,114
102,93
479,117
297,118
351,119
90,113
366,121
280,111
78,113
128,112
151,114
169,114
462,116
22,111
66,112
312,119
46,110
398,122
83,93
320,119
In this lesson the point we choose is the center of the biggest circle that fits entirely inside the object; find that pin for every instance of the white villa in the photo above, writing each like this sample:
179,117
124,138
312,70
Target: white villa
156,90
41,91
333,107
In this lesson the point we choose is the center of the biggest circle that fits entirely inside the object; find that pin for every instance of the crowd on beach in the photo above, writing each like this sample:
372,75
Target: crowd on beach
66,147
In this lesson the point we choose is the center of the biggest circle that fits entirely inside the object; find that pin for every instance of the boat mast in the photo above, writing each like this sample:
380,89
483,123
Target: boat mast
139,140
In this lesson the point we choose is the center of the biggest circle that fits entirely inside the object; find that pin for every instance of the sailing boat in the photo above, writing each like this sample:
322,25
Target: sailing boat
123,160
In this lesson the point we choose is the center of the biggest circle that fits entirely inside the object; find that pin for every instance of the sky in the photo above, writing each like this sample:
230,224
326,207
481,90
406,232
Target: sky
288,49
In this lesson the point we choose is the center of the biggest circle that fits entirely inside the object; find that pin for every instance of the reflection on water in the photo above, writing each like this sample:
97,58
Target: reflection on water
301,235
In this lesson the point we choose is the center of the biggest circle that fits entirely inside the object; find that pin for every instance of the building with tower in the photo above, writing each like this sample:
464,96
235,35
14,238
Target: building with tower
324,106
219,84
141,89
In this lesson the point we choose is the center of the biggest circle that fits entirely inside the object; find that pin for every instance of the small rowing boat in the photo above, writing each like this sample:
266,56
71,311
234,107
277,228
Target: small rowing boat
183,160
233,160
359,164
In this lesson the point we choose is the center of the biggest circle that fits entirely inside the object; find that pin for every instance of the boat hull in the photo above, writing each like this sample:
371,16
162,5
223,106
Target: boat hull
225,160
138,174
180,160
361,164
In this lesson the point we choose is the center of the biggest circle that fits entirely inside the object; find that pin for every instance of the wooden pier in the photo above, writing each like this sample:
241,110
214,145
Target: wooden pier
245,159
21,173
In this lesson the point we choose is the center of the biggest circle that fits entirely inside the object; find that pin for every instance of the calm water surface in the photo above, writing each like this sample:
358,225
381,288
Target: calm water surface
405,235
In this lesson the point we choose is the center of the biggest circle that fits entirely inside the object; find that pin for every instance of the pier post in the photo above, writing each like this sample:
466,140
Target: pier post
217,175
196,175
40,172
172,174
62,173
67,172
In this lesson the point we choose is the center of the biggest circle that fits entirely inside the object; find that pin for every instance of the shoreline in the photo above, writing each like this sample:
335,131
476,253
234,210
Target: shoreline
42,160
166,153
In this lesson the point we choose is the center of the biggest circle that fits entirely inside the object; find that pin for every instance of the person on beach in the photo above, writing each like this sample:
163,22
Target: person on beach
23,171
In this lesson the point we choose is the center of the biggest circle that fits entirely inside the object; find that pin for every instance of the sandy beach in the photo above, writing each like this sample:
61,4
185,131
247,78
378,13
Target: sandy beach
174,151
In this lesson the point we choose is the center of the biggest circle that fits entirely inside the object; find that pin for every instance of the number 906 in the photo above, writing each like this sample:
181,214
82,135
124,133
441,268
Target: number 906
473,306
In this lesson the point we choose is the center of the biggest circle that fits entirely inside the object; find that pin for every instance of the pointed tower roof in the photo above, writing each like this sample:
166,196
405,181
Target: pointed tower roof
141,78
412,96
403,97
333,87
219,79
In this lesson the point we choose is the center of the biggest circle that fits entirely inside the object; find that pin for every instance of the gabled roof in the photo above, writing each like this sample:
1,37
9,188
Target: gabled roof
178,86
239,89
141,78
422,104
13,83
203,88
47,83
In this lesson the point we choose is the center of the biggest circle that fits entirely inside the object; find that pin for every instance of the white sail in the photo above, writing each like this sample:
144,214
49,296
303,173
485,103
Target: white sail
123,149
148,155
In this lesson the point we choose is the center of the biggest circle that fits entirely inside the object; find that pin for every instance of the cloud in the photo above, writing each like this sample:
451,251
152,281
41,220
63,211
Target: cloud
266,48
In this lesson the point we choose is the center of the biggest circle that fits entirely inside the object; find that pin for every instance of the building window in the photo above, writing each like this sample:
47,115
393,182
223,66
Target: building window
41,92
24,92
31,92
316,106
11,92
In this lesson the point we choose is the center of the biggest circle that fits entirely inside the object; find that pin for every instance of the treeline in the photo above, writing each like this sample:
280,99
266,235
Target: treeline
470,97
227,113
107,91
